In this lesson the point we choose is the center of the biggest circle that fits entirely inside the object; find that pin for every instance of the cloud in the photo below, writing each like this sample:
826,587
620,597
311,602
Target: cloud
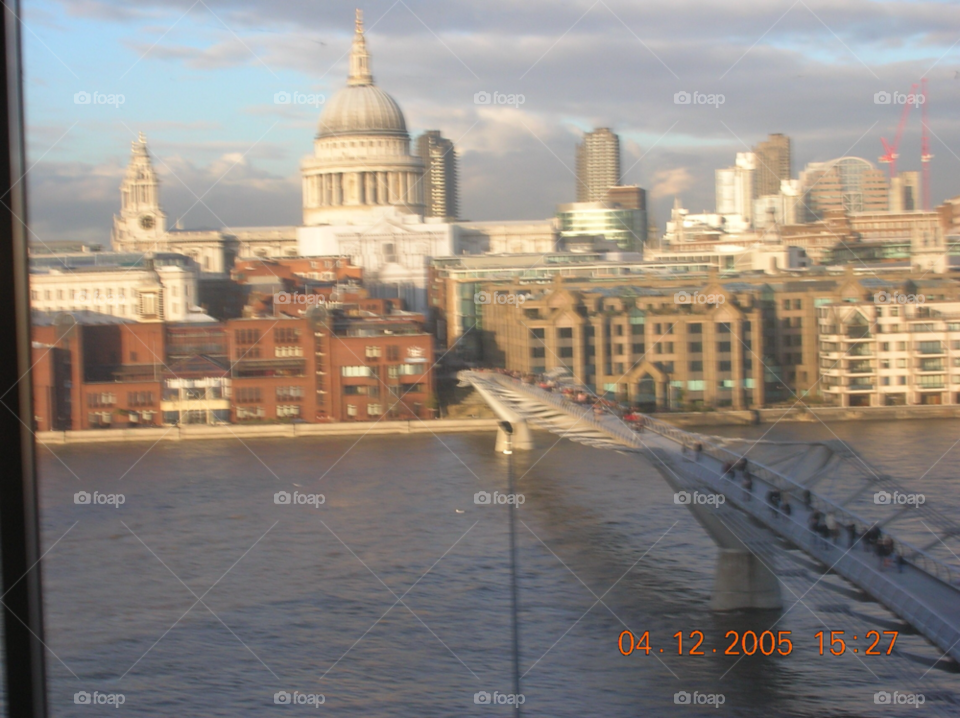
671,182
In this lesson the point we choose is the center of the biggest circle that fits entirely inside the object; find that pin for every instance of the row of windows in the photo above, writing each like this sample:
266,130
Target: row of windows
393,370
109,398
373,351
254,413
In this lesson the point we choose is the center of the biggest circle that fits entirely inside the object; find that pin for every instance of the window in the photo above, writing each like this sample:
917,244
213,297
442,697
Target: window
723,366
884,381
884,363
374,409
901,363
901,346
696,385
638,348
139,398
723,347
618,348
351,409
250,413
901,380
723,327
797,304
286,335
695,348
618,330
696,366
786,305
696,328
371,351
288,411
565,333
636,329
247,336
536,333
355,371
247,395
101,399
566,352
289,393
669,348
538,352
884,346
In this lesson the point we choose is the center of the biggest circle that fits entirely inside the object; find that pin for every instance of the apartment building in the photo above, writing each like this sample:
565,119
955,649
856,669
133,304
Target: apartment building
658,350
881,352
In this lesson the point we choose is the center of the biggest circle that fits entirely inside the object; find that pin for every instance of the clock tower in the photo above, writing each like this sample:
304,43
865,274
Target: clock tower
141,224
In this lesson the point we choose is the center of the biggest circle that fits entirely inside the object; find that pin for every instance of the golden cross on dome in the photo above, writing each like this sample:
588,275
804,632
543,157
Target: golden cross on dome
359,21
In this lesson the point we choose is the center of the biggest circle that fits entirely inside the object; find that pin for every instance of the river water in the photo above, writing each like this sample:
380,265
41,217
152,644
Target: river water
201,596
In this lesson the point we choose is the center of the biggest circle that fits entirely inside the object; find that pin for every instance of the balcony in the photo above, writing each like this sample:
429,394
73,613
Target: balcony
861,387
860,368
858,333
926,365
860,350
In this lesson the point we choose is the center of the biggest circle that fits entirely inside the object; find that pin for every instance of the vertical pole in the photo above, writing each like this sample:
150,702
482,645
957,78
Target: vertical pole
19,520
511,508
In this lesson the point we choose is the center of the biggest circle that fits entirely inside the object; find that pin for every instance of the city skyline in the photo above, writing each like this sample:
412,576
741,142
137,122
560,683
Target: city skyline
240,152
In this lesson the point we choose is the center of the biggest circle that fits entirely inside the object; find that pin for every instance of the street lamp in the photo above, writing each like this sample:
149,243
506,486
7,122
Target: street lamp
507,428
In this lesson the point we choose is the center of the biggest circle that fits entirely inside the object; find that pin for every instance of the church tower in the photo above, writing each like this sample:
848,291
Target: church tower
141,224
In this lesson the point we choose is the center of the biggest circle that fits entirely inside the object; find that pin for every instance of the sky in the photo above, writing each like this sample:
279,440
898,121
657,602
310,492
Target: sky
199,78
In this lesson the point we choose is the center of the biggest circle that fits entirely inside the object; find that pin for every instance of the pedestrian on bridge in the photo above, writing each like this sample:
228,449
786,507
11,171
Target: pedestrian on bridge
773,498
697,450
851,534
833,528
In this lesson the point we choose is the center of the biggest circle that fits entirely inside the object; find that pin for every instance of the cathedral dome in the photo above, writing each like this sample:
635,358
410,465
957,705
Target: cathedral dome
362,110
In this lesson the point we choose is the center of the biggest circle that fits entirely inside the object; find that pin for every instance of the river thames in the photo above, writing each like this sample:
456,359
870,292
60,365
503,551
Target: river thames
383,588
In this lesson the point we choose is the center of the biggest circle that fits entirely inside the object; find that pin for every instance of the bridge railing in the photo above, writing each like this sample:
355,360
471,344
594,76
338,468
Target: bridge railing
785,484
790,487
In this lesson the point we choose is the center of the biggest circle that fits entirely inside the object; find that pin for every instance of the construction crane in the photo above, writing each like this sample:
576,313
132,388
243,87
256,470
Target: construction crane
890,150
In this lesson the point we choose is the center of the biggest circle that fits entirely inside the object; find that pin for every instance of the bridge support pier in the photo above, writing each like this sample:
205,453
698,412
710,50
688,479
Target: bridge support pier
742,581
522,439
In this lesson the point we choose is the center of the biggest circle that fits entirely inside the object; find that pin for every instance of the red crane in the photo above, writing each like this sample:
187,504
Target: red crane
890,154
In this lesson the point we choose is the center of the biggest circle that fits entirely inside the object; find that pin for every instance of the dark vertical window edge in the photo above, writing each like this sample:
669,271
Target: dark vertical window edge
19,520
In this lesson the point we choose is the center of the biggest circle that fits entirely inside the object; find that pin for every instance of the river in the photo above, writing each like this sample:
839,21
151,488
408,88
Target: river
199,595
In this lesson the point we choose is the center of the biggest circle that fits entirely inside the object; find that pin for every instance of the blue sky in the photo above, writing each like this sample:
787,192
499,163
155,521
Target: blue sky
199,78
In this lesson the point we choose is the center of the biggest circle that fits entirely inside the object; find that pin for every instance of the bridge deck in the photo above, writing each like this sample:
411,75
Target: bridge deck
921,590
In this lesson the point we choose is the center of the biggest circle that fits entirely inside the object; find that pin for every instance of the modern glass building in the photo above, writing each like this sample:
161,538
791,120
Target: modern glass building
626,227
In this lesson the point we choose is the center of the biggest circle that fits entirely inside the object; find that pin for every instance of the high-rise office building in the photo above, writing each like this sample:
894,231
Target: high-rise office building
773,164
439,175
598,165
735,185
